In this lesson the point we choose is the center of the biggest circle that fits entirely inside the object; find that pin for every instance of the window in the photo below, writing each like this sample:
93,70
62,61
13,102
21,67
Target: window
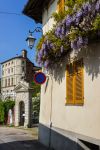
23,62
8,70
23,69
11,81
5,82
60,5
74,83
8,82
12,70
12,62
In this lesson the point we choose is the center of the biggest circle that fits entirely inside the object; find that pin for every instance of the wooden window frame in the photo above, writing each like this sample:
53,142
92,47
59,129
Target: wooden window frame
74,76
61,5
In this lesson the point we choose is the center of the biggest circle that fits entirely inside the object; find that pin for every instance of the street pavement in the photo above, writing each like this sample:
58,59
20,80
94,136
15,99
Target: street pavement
19,139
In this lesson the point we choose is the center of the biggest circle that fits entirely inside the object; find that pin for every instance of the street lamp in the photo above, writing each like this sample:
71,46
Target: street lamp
30,39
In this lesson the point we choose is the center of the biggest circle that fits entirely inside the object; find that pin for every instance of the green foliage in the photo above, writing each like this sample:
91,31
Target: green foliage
2,113
58,16
4,108
36,88
96,23
8,104
74,29
39,45
36,101
69,4
36,107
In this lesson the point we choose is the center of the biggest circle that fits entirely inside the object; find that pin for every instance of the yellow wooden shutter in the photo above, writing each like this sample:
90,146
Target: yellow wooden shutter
75,83
79,83
69,84
60,5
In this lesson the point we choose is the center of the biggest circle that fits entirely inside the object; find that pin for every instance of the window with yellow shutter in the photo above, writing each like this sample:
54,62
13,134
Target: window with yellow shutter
75,83
61,5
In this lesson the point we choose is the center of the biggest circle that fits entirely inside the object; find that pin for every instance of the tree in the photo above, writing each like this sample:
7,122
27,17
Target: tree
36,108
8,104
36,102
36,88
2,113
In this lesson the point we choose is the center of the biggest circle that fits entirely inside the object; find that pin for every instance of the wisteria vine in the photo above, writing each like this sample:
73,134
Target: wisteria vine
72,32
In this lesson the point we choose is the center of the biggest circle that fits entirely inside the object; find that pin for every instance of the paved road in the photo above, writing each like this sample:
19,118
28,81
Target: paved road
19,139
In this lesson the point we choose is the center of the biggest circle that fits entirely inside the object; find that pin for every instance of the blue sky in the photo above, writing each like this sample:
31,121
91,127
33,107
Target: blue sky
14,30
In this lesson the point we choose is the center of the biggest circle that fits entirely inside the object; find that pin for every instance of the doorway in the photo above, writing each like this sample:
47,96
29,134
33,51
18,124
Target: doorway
21,113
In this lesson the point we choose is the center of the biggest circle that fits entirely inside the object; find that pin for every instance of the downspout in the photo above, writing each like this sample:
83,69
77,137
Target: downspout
51,114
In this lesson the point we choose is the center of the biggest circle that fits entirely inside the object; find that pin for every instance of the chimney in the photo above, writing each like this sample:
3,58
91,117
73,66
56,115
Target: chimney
24,53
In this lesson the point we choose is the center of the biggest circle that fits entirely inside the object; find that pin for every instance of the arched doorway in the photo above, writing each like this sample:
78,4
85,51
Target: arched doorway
21,113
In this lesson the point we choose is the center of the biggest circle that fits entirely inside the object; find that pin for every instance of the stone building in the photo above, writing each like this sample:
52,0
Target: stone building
12,71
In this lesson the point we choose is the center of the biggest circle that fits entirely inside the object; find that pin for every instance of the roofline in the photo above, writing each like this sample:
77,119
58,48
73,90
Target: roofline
33,9
19,57
11,59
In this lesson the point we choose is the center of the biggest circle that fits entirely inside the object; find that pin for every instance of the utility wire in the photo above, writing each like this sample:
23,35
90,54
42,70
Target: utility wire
9,13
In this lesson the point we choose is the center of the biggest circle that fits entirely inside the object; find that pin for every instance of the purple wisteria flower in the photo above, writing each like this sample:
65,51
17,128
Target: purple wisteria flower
61,37
69,20
74,44
97,6
43,45
58,31
85,9
79,42
46,63
79,14
45,52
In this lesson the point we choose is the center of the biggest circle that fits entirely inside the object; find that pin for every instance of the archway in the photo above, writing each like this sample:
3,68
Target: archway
21,113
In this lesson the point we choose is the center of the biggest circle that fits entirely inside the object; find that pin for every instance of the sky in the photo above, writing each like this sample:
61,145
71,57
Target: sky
14,30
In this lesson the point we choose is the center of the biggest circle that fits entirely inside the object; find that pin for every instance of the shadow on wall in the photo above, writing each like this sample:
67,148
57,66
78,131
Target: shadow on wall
91,56
58,69
92,59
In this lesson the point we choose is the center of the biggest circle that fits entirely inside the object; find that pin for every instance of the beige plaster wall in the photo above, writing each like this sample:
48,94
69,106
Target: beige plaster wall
84,119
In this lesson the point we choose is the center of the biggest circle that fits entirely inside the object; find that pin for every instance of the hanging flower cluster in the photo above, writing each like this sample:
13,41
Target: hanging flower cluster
72,32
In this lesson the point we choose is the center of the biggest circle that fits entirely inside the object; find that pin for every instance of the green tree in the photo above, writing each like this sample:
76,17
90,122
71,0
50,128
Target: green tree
36,102
36,108
2,113
36,88
8,104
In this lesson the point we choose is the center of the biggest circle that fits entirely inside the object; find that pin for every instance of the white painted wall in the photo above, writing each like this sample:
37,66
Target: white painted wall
84,120
47,19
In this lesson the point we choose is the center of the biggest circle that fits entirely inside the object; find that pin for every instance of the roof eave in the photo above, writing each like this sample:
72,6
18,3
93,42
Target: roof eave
33,9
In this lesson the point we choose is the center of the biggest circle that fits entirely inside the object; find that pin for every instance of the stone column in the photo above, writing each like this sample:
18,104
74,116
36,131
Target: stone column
16,113
28,111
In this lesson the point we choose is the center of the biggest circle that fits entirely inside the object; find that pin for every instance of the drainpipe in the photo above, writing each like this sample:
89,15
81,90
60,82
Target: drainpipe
50,131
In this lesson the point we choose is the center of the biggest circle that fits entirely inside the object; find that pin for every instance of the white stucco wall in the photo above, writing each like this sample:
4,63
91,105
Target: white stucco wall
47,19
84,120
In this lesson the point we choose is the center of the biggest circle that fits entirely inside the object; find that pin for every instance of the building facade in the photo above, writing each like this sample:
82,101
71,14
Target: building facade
69,110
14,70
